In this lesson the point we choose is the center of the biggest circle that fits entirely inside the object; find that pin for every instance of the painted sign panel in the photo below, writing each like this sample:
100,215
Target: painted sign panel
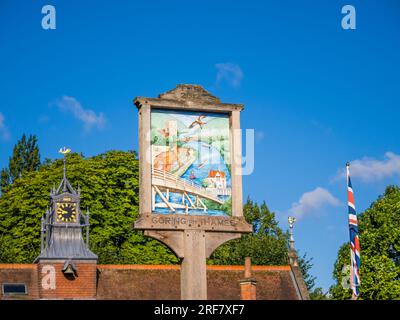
191,157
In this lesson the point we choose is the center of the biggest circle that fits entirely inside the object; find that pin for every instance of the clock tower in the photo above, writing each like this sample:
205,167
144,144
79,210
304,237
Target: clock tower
67,267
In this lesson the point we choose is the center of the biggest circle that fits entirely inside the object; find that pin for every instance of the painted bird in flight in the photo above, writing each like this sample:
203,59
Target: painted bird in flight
198,121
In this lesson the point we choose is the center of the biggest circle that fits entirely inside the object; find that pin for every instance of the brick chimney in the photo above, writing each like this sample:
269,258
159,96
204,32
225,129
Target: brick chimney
248,284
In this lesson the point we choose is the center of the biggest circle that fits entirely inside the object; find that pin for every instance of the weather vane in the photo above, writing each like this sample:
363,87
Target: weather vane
64,151
291,221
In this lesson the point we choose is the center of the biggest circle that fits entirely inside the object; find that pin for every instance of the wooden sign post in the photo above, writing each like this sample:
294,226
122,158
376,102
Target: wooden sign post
190,178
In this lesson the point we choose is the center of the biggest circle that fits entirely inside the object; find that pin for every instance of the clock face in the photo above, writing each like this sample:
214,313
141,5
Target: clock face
66,212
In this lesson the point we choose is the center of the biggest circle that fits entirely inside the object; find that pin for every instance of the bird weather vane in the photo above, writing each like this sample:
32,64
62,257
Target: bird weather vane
291,221
64,151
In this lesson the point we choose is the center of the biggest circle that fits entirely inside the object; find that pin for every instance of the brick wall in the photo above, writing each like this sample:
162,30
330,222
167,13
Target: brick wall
81,286
20,273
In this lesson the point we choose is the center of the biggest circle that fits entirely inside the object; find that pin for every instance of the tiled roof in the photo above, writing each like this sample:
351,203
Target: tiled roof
214,173
138,282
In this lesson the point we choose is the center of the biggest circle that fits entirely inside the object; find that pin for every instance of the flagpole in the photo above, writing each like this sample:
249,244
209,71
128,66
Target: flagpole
351,251
354,240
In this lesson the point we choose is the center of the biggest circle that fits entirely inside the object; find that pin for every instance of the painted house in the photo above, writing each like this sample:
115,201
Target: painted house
216,179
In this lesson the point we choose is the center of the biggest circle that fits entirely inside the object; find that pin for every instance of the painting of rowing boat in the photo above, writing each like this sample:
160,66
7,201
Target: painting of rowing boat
191,171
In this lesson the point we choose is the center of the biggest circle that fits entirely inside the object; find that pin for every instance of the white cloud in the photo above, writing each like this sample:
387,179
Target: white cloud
369,169
229,72
312,201
4,132
89,118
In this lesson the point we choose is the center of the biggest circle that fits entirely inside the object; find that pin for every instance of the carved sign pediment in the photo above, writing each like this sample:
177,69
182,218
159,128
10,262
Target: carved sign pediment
190,92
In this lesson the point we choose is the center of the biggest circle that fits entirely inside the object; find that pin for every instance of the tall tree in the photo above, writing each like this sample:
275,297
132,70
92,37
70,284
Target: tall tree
379,228
25,158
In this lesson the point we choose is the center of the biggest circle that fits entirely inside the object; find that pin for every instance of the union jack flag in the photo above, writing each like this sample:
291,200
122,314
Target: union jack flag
354,241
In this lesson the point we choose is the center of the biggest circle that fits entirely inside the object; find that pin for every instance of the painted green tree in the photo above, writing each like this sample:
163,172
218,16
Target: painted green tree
379,228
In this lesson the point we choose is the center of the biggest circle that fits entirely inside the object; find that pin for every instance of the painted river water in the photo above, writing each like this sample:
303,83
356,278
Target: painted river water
208,158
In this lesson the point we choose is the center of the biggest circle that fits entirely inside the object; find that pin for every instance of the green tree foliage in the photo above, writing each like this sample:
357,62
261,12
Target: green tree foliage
318,294
305,265
109,184
379,228
25,158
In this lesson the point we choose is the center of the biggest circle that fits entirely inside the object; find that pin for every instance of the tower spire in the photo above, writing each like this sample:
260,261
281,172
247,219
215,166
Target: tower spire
291,221
65,175
293,260
64,151
65,186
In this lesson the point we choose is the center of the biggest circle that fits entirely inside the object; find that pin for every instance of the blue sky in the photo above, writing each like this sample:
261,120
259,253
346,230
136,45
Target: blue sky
316,95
